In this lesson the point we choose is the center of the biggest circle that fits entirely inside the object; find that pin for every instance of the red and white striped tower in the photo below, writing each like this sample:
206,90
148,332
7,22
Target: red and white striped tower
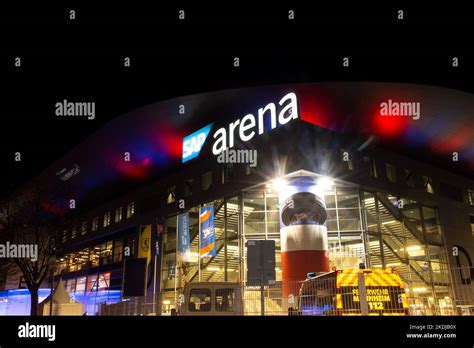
304,242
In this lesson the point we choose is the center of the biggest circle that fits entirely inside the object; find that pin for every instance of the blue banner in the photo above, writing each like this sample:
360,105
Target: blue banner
184,246
208,235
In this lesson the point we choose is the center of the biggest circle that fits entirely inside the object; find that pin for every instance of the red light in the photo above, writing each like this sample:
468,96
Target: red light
313,111
453,140
389,126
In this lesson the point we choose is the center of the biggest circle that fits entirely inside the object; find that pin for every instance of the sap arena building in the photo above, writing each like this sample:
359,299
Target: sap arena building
387,169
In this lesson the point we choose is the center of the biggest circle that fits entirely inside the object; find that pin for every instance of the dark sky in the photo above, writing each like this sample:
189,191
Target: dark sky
82,59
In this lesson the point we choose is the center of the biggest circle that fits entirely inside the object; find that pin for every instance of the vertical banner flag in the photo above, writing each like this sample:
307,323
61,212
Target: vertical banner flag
207,235
144,242
184,246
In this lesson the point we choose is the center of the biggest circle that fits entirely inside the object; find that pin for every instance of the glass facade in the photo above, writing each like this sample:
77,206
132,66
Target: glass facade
373,228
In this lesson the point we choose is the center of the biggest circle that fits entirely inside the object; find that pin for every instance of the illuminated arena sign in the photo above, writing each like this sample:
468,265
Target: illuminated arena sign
245,128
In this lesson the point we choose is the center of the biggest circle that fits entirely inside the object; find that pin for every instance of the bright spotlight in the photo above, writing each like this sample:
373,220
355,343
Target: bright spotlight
278,184
325,183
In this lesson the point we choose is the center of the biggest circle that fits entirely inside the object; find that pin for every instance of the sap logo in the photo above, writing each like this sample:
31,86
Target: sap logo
192,144
243,129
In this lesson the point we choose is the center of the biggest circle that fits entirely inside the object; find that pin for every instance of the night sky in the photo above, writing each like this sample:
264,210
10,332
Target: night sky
82,60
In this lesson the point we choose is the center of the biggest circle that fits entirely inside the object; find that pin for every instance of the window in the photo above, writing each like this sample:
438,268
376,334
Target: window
346,157
95,224
428,184
130,244
470,195
104,282
409,178
391,172
64,239
118,214
206,180
200,300
130,210
225,299
71,285
350,165
81,284
171,195
373,168
248,169
118,244
91,282
73,232
107,219
105,253
84,228
471,217
450,191
188,188
227,173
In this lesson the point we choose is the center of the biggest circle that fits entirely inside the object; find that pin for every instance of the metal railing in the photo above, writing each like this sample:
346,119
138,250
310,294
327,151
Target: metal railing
323,296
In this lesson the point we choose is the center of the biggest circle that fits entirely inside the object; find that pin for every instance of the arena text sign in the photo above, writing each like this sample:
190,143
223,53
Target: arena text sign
244,128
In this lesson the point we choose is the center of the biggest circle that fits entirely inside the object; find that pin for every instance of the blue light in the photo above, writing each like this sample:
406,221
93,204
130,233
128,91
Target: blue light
315,310
18,301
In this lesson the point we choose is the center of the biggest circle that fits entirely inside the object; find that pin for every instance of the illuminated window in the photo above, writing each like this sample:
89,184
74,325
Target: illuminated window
118,244
391,172
106,253
171,195
409,178
95,223
104,282
130,210
64,239
118,214
248,169
200,300
225,299
206,180
84,228
470,194
73,233
91,282
107,219
71,285
81,284
428,185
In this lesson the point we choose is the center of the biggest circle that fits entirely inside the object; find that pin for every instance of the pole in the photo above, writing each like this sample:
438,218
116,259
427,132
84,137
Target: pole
199,244
154,276
176,264
52,252
225,239
262,290
146,276
52,292
364,308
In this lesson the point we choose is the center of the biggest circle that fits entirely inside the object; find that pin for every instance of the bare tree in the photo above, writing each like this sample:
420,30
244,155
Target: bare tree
28,219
